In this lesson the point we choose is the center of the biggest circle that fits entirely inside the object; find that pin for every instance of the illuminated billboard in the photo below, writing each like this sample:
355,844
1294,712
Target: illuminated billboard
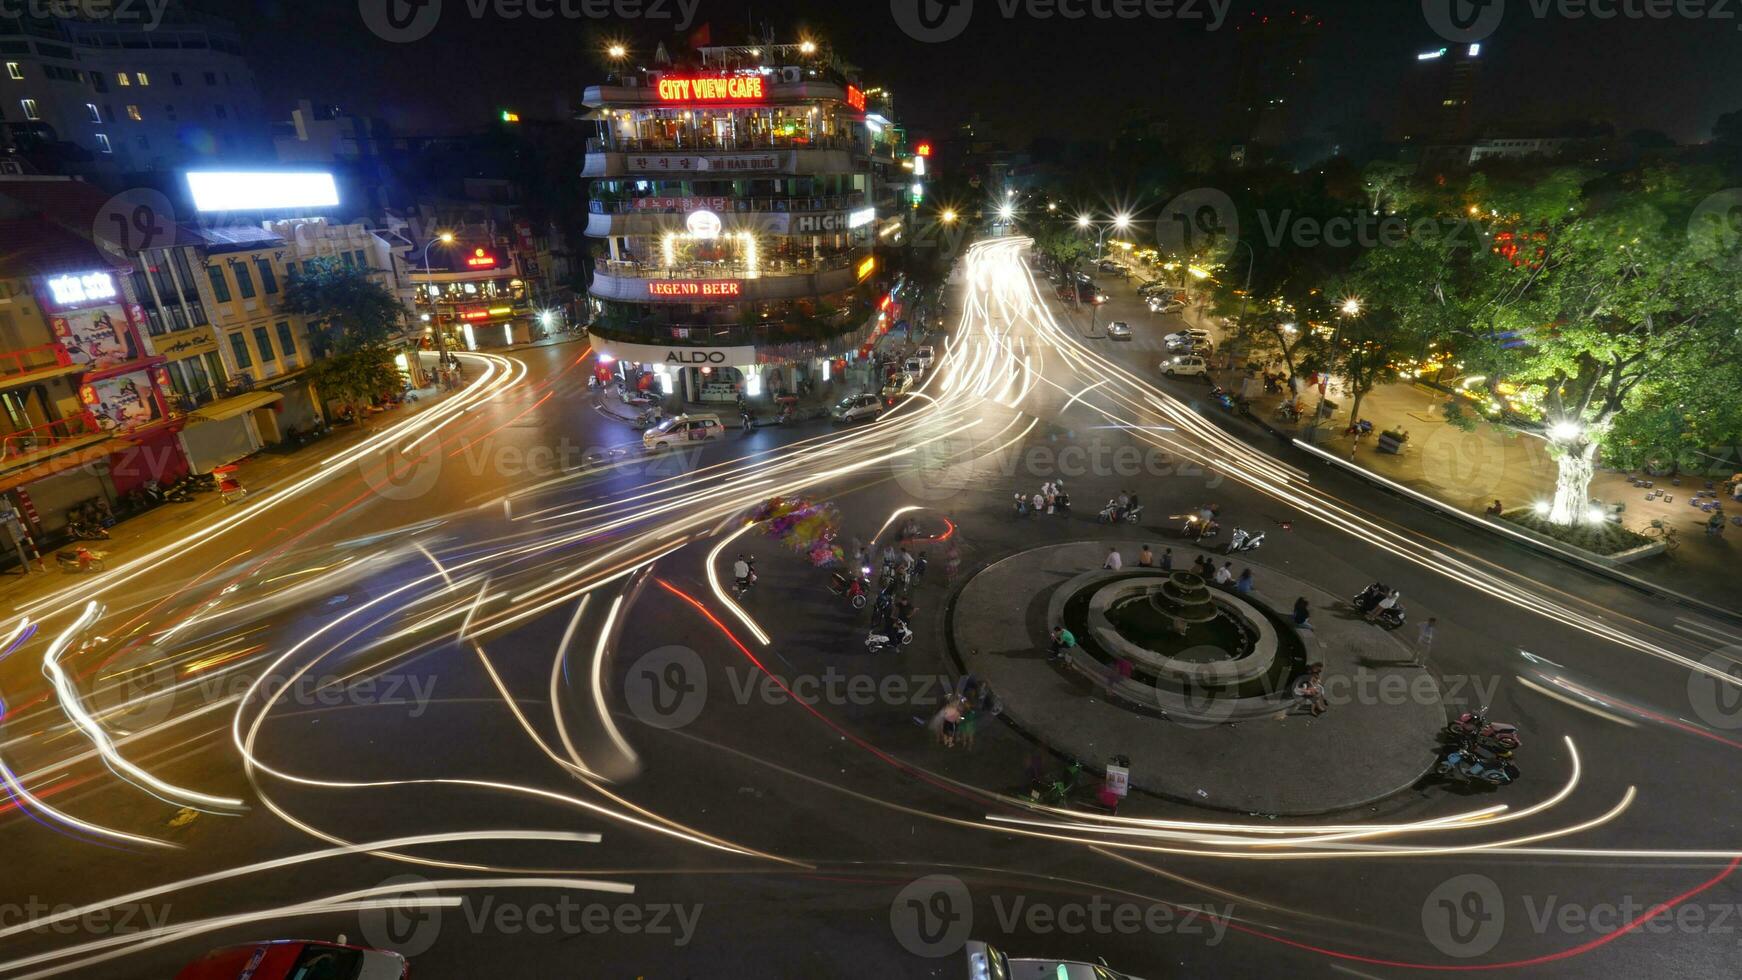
735,88
706,288
261,190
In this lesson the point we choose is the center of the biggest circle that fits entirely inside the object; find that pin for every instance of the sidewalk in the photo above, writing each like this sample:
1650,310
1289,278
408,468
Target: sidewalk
1469,470
997,630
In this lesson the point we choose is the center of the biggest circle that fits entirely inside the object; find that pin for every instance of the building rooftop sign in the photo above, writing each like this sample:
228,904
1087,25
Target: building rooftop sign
731,88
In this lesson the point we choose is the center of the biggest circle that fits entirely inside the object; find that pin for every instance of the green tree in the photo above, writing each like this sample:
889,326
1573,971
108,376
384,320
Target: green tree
357,375
351,317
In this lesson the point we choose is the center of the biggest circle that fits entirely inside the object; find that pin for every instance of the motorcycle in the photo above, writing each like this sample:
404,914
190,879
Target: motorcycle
1062,503
1109,514
748,419
1391,618
81,529
785,415
80,559
1498,735
876,642
1466,761
1243,540
854,589
1359,427
1288,412
1369,597
1198,529
649,418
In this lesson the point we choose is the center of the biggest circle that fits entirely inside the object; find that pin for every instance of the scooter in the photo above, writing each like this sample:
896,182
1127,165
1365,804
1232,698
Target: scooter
1360,426
785,415
1198,529
1134,513
1369,597
1062,503
1391,618
649,418
748,419
1466,761
1475,725
741,585
854,589
1288,412
1243,540
80,559
876,642
79,528
1109,514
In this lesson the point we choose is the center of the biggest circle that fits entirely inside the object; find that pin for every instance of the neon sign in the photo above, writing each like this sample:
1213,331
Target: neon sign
867,267
855,98
923,150
87,288
703,288
480,259
736,88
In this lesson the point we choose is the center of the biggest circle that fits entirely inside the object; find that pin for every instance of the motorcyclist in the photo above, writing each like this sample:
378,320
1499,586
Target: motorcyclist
1385,605
744,570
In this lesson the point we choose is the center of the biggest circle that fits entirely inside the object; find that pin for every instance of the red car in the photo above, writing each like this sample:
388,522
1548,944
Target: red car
296,959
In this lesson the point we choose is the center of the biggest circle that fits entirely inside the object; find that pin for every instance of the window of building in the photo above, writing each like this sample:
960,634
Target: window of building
286,343
29,108
99,82
244,280
103,144
95,113
348,259
268,278
220,288
263,340
133,114
175,78
239,346
362,263
143,78
178,318
122,80
14,71
211,78
214,366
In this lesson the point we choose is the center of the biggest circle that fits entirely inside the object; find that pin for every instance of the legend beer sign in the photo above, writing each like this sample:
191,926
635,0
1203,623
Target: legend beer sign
695,288
735,88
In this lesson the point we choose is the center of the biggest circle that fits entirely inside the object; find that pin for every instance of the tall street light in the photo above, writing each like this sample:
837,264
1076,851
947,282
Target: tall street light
1350,308
446,238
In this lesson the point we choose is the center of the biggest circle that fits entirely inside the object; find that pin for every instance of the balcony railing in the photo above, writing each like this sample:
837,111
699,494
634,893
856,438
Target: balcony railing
48,435
32,359
778,205
770,267
699,143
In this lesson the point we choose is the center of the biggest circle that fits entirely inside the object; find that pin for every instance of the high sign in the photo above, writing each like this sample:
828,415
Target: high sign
680,203
829,221
923,149
261,190
481,259
674,355
736,88
89,287
654,162
694,288
855,98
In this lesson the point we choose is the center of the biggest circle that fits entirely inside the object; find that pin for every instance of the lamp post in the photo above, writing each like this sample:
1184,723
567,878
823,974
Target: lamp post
1351,308
446,238
1120,221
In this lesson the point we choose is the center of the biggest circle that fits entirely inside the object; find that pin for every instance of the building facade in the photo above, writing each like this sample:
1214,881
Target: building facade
734,207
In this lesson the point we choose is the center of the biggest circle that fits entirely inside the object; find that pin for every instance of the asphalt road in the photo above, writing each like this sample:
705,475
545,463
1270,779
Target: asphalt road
458,659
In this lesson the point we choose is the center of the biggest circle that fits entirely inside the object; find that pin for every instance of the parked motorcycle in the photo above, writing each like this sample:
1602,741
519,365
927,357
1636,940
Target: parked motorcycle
1288,412
785,415
876,641
79,528
649,418
855,589
1467,761
1243,540
1487,734
1369,597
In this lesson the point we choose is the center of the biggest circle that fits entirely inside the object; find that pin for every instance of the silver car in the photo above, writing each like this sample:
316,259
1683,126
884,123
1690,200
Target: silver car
1118,330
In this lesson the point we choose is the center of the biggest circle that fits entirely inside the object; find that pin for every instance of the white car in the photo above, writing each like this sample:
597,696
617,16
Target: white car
1118,330
857,408
1185,366
1186,338
925,355
1160,303
986,962
914,368
682,429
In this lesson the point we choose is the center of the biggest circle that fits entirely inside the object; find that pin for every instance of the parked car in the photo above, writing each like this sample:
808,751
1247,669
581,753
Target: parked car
1155,286
926,355
293,959
857,408
1187,337
1087,293
1185,366
986,962
1163,303
1108,265
681,429
1118,330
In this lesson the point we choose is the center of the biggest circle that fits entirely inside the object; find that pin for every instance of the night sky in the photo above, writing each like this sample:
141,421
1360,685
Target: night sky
1024,76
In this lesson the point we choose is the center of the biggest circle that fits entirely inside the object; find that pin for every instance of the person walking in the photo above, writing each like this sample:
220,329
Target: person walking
1424,640
1167,559
1114,560
1146,558
1244,584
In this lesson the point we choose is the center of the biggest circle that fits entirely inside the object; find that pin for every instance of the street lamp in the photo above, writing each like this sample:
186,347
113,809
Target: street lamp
948,217
446,238
617,52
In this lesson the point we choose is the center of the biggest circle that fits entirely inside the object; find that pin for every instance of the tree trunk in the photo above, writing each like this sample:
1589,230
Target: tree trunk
1575,463
1355,406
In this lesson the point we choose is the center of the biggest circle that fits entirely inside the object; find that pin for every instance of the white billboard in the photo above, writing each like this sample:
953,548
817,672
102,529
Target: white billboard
261,190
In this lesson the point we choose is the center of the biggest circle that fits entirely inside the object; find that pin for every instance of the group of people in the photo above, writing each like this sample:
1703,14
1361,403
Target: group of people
1051,498
955,722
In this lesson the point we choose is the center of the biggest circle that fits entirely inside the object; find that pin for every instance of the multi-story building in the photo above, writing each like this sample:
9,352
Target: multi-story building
83,406
734,204
126,93
1438,97
471,291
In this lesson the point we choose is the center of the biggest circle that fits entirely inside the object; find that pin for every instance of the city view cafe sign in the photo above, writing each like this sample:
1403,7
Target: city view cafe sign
674,355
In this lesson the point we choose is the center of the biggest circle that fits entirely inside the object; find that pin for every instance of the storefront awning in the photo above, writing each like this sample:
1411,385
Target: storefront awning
229,408
61,463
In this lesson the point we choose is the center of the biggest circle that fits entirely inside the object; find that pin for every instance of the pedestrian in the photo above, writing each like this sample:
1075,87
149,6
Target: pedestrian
1062,640
1301,612
1146,558
1167,559
1424,639
904,609
1038,502
919,565
1225,574
1114,561
1244,585
965,728
888,556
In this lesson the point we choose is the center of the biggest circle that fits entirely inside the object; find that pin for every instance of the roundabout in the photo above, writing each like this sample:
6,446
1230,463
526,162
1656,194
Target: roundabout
1195,683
